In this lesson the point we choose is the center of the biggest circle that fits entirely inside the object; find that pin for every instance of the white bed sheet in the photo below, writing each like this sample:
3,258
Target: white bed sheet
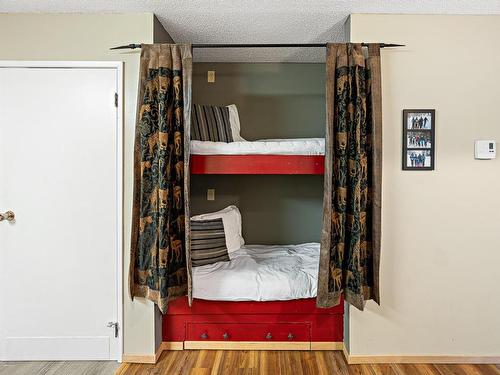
296,146
261,273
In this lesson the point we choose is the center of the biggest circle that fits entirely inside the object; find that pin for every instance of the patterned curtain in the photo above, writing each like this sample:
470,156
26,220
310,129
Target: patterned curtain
350,238
158,267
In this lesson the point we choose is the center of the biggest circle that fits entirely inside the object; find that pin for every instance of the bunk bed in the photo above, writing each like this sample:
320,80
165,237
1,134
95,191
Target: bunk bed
265,297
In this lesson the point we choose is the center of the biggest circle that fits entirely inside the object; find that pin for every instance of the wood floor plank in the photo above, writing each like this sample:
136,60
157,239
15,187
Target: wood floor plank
322,362
426,369
354,370
338,362
247,359
381,369
488,369
205,359
309,365
270,362
217,362
472,369
293,360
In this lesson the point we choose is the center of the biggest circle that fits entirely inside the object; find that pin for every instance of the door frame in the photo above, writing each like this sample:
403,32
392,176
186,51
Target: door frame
118,67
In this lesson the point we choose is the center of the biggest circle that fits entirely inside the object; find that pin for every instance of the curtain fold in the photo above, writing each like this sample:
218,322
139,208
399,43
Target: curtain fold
160,213
350,236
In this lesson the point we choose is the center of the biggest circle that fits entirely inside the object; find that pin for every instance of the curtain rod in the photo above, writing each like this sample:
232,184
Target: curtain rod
276,45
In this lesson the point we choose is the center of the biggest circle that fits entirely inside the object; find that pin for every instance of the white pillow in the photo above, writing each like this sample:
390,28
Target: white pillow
231,219
234,121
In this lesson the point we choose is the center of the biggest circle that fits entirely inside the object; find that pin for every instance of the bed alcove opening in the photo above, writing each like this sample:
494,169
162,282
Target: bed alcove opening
279,196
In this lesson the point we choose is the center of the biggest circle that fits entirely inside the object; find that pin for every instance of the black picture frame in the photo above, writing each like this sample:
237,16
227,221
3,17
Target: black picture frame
419,129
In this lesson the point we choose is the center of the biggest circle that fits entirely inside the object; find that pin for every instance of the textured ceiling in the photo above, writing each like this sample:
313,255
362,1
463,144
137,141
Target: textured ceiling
271,21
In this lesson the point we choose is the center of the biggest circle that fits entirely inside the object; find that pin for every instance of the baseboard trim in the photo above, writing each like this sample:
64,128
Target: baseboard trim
327,345
345,352
139,358
247,345
158,352
449,359
172,345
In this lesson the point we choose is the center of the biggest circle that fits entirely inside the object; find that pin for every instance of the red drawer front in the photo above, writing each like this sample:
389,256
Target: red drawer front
248,332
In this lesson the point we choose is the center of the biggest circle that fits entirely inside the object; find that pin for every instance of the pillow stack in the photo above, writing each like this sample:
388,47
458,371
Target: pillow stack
214,236
215,123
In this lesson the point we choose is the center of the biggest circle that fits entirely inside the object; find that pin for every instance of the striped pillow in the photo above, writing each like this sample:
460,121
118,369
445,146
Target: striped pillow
208,242
211,123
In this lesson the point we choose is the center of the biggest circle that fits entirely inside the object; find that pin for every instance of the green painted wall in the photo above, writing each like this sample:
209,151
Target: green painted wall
274,209
274,101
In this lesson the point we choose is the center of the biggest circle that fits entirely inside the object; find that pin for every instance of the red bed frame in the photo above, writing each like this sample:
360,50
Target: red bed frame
257,164
295,324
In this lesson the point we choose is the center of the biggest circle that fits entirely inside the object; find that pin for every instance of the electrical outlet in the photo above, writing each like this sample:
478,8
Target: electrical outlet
211,76
210,194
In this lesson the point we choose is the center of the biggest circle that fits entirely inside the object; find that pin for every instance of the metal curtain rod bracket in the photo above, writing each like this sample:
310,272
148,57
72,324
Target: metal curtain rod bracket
278,45
128,46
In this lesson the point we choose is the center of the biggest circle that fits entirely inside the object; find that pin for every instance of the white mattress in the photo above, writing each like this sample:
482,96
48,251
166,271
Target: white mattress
261,273
296,146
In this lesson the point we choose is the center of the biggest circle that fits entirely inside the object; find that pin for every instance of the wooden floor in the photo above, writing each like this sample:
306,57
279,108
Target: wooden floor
214,362
58,368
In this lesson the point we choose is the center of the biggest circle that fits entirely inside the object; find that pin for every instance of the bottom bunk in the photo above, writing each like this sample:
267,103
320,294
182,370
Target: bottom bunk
259,297
271,325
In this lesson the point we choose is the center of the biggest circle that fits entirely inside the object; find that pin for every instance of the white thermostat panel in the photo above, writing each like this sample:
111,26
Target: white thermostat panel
485,150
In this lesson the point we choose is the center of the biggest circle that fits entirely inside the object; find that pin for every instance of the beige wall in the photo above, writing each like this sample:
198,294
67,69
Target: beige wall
89,37
441,229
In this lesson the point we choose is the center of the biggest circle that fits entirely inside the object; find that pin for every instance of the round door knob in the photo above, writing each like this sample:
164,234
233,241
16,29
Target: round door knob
204,336
225,336
290,336
8,215
269,336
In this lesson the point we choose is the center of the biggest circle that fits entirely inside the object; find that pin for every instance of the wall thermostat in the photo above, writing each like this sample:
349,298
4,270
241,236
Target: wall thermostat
485,150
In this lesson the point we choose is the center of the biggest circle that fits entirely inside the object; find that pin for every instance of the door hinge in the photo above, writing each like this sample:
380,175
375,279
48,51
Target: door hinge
116,99
115,327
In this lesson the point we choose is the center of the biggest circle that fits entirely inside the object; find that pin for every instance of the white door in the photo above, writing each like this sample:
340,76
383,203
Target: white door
60,174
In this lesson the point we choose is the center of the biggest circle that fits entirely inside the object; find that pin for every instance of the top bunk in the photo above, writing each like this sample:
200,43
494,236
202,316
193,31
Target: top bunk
264,133
258,119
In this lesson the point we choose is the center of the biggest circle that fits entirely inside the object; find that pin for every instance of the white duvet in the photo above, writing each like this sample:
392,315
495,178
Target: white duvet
296,146
261,273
